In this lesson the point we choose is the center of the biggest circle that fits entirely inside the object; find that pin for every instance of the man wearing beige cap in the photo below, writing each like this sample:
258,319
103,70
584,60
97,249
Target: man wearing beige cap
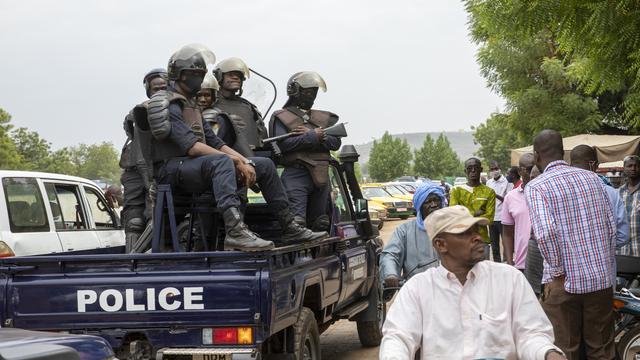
466,308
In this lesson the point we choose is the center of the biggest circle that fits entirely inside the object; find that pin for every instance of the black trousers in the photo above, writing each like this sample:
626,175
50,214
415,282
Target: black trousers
217,173
307,201
135,197
494,234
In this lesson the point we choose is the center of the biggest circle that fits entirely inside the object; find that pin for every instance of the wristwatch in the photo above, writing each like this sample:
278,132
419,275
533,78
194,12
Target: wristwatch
249,162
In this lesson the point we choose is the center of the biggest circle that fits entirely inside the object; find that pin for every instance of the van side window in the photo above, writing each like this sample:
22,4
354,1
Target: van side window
66,207
103,217
25,204
339,208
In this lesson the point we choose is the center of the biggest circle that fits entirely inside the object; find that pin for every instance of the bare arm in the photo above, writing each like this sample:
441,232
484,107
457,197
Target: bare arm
507,242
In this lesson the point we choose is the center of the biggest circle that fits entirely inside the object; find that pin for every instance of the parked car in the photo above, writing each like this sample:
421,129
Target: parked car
459,181
378,214
396,208
44,213
25,344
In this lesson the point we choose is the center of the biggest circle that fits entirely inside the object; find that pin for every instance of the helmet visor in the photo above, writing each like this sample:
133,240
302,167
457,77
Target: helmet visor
308,79
233,64
187,51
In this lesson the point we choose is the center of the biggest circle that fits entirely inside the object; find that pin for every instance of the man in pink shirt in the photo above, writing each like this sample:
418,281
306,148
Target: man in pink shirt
516,226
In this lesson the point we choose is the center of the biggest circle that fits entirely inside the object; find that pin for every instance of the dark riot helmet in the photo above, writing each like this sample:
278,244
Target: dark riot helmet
158,72
305,79
229,65
193,57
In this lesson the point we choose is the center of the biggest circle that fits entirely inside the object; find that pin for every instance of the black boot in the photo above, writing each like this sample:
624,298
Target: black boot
239,237
293,233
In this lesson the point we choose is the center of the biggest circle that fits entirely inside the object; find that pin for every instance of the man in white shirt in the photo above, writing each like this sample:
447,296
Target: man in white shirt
501,186
466,308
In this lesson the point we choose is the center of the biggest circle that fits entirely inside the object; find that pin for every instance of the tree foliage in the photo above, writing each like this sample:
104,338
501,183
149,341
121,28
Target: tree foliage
97,161
9,157
436,159
555,64
22,149
389,158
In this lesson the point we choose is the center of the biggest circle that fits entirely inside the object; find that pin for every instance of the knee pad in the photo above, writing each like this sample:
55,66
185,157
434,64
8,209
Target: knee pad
135,225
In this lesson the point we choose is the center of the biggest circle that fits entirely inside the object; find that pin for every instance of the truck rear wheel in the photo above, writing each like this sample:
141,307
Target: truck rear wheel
370,332
306,336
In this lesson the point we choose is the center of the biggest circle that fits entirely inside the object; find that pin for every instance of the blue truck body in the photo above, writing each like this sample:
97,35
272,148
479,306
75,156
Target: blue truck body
159,304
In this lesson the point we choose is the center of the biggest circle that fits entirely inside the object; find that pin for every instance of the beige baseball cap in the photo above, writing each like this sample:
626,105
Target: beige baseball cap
455,220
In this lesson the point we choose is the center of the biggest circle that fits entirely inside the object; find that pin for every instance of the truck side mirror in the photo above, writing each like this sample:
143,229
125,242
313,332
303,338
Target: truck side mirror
362,217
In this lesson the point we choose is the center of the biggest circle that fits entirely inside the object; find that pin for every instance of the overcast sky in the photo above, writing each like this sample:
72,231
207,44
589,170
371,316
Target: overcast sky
71,70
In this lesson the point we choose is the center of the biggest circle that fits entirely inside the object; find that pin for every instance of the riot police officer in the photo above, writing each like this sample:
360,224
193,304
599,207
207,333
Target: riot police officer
136,177
306,155
245,122
190,157
206,98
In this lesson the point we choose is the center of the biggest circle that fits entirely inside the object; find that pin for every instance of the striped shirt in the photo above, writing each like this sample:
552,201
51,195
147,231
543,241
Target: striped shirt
574,225
631,200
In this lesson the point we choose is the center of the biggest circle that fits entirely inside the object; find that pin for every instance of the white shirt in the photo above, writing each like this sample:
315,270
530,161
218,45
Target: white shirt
501,188
494,315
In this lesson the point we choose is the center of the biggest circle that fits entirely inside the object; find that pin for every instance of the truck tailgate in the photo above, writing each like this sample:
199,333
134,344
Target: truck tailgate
142,290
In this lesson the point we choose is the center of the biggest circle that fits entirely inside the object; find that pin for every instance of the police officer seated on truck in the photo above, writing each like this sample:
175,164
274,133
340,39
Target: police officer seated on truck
306,155
243,122
190,157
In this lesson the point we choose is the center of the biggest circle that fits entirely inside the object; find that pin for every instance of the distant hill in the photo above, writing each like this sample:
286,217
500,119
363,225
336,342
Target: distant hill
461,142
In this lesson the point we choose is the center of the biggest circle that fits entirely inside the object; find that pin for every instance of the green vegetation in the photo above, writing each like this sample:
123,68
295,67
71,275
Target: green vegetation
569,65
389,158
21,149
436,159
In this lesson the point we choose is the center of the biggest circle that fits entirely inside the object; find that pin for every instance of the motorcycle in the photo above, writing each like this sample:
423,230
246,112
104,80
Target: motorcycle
626,304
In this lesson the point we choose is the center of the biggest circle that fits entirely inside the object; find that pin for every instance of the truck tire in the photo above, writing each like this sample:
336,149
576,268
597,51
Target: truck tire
404,217
370,332
380,225
306,336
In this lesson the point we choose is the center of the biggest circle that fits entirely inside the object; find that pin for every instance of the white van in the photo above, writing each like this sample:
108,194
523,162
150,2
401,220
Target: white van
42,213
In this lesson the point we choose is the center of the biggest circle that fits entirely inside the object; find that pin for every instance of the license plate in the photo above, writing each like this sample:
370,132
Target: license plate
402,209
212,357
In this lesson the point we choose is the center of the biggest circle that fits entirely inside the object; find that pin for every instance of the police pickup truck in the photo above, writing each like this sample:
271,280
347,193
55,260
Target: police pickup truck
211,305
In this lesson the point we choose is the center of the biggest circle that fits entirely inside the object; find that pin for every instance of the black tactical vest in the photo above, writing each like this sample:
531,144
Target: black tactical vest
248,116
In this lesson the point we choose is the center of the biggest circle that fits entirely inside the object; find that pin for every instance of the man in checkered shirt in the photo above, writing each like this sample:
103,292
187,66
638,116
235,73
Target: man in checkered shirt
575,227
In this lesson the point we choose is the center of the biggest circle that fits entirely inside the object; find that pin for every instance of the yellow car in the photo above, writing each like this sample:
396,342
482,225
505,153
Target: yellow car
378,214
397,192
395,207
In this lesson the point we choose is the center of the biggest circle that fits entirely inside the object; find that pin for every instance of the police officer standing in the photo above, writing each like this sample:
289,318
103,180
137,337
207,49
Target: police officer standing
306,154
245,121
190,157
136,177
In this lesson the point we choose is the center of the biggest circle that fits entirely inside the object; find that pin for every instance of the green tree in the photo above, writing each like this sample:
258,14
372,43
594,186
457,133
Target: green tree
9,156
33,149
436,159
389,158
423,164
598,38
539,81
97,161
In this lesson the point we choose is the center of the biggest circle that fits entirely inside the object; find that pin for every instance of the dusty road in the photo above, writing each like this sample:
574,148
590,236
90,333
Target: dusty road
340,341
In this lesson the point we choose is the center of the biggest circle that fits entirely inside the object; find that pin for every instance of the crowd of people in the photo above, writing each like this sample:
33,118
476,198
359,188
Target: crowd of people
552,231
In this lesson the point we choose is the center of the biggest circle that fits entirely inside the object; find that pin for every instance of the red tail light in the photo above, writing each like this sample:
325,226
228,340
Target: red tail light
5,250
